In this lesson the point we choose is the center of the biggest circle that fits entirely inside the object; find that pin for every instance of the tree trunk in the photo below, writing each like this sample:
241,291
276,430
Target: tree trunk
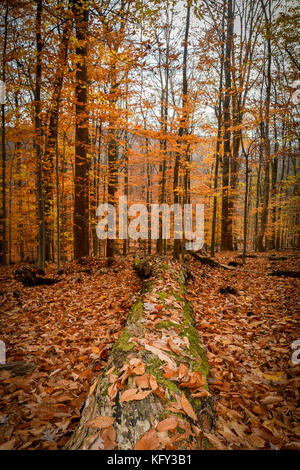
266,144
3,145
226,230
218,145
52,137
128,402
81,207
183,126
38,138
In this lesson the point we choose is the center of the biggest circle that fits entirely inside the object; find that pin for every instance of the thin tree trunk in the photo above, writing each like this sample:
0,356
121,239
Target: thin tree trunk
218,145
266,186
3,144
226,232
177,248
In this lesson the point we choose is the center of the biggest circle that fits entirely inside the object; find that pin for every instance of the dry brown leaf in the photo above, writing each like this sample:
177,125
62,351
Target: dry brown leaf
170,373
183,371
8,445
139,369
187,407
133,394
161,355
142,381
148,442
100,422
153,383
112,391
215,442
174,347
167,424
92,388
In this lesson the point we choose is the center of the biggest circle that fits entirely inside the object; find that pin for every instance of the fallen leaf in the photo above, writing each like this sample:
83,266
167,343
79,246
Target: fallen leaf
142,381
133,394
187,407
8,445
167,424
100,422
148,442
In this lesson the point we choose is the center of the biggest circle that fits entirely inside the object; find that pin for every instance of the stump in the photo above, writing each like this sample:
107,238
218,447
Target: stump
153,393
29,278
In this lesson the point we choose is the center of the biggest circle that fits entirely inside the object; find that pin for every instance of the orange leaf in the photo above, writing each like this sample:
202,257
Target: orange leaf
134,394
101,422
142,381
167,424
153,382
148,442
187,407
170,373
183,371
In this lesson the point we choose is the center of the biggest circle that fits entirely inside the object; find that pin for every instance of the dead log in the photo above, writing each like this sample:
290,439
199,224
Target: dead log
209,261
28,276
153,393
247,256
295,274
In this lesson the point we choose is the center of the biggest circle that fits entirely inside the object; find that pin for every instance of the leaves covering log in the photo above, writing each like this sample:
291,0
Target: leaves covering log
153,393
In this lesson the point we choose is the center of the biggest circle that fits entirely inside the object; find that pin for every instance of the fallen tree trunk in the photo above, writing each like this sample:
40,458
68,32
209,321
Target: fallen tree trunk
153,393
209,261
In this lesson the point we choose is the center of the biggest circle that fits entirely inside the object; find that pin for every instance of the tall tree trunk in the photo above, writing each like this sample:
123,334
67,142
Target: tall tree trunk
266,145
112,161
183,126
38,138
3,144
226,231
52,135
81,207
218,145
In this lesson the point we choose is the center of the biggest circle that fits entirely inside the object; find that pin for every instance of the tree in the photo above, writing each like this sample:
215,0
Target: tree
80,10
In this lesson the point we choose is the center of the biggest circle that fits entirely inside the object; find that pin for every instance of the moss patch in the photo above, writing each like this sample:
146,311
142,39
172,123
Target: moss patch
154,366
123,344
162,295
168,324
136,311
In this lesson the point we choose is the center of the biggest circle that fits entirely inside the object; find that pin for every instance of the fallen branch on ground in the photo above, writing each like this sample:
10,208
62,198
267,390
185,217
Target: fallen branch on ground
209,261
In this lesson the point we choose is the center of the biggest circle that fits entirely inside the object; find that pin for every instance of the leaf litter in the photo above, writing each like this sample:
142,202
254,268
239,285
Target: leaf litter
68,332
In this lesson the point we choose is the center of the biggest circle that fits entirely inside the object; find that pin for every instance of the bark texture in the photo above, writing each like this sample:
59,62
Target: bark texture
141,361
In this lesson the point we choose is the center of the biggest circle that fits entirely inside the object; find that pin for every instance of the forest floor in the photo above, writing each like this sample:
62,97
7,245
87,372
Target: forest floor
67,330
